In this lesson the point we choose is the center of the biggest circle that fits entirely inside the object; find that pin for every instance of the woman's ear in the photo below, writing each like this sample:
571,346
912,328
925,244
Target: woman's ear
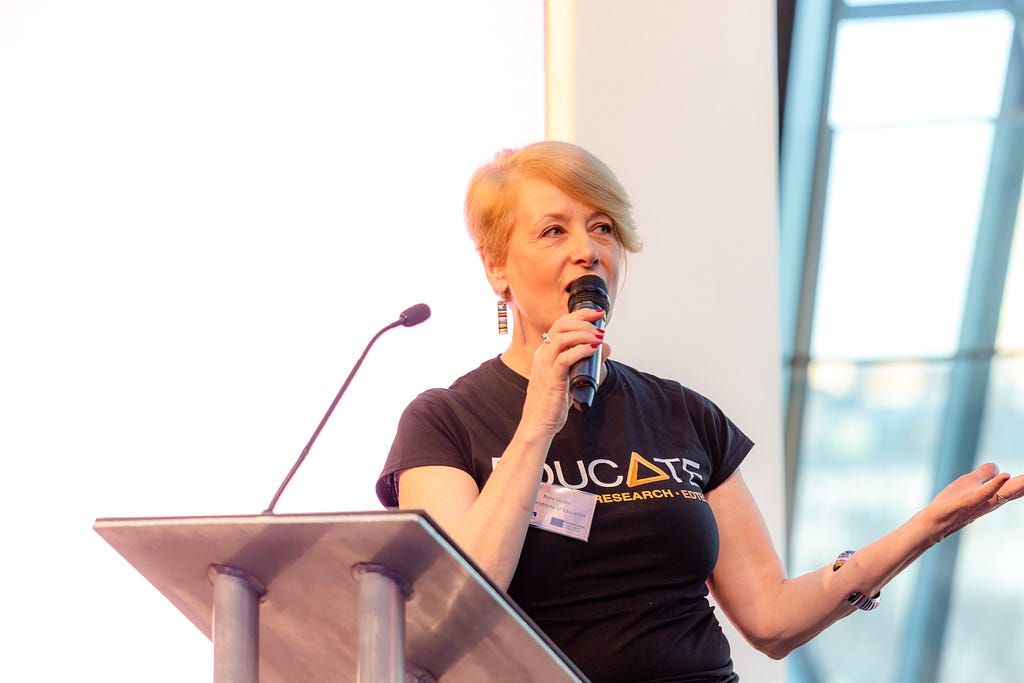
495,273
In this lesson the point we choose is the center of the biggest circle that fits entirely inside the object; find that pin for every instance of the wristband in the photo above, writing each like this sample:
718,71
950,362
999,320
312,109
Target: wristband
858,600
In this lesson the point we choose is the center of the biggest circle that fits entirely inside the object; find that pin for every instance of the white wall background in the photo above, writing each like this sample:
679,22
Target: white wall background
679,99
207,208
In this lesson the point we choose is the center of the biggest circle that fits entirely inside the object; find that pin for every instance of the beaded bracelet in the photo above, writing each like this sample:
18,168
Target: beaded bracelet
858,600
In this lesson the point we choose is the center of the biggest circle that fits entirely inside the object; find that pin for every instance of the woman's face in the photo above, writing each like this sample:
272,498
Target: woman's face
554,240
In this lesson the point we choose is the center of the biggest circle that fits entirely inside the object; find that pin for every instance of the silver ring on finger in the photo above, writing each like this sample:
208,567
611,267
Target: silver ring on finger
545,338
1001,500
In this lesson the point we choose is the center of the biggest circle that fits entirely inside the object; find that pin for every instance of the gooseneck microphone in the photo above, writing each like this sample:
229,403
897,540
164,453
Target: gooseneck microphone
413,315
588,291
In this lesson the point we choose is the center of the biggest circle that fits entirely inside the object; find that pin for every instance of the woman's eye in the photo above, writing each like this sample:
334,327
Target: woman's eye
603,228
552,231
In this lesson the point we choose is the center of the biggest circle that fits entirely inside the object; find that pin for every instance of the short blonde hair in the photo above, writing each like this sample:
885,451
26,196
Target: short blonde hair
493,192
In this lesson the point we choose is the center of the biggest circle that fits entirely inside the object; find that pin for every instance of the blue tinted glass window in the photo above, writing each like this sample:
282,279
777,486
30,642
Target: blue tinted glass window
902,214
919,69
1011,319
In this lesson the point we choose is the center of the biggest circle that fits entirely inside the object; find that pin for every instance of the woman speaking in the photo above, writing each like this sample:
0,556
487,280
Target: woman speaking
608,516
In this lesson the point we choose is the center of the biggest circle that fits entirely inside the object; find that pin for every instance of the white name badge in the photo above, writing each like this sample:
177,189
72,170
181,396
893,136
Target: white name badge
565,511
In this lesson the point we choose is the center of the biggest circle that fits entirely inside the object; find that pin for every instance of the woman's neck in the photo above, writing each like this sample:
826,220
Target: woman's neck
519,357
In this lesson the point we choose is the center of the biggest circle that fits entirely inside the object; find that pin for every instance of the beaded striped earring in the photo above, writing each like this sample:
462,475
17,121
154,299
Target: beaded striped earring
502,317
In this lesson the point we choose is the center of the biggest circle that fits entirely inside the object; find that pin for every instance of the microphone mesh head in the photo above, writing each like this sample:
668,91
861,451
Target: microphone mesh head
414,315
589,289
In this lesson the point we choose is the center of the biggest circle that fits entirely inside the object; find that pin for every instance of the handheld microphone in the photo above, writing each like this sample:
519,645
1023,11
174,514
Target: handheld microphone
413,315
588,291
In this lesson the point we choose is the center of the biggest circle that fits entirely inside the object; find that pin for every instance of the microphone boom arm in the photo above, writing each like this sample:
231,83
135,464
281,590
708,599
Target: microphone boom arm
411,316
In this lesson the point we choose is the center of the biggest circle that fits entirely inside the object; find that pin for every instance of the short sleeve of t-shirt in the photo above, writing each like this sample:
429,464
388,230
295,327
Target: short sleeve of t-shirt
428,434
464,426
721,438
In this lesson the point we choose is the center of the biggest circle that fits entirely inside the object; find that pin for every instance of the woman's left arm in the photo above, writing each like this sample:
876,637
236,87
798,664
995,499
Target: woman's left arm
777,614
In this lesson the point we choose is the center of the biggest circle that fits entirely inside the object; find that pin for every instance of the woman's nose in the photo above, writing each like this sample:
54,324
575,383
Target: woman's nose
584,251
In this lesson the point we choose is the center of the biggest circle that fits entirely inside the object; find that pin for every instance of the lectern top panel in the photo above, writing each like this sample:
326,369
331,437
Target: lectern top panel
459,626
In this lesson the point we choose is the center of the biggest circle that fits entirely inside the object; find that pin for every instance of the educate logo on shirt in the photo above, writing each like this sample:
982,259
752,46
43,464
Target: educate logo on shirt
640,472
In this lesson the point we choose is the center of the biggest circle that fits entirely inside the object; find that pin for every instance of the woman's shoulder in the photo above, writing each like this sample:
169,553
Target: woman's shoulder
632,376
687,407
490,379
670,394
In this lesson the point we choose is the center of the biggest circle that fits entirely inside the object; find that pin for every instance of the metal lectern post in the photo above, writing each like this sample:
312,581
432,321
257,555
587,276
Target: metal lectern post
236,626
382,596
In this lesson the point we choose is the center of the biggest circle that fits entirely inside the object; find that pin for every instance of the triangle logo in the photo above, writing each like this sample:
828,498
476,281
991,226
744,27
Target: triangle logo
653,472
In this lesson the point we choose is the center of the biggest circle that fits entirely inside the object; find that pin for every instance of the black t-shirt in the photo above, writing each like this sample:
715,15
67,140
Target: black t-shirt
629,604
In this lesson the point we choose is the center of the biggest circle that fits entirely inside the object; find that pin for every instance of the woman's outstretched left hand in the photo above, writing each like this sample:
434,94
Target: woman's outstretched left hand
969,497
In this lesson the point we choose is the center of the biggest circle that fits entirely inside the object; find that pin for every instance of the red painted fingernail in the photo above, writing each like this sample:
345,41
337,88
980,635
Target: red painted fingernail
594,345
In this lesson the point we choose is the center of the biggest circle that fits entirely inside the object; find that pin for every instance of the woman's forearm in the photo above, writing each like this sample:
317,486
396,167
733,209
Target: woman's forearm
493,529
806,605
